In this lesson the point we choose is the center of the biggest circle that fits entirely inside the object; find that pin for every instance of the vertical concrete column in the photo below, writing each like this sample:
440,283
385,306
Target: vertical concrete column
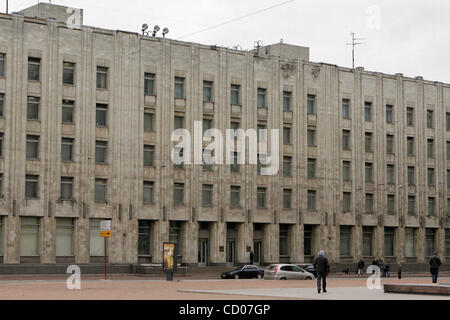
420,245
12,230
161,235
440,243
190,242
217,240
400,243
296,243
379,242
357,240
82,240
130,234
48,242
242,243
271,243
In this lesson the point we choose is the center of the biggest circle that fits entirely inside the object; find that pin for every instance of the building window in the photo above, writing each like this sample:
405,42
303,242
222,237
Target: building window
1,195
346,139
235,197
448,177
448,150
206,125
178,122
287,161
431,177
1,144
31,186
448,207
411,176
234,167
101,114
33,108
410,242
207,195
149,156
410,146
178,194
96,243
2,104
149,121
369,172
100,190
369,202
32,147
430,241
261,99
430,148
368,111
149,192
66,149
145,237
308,240
149,84
66,188
287,135
284,240
100,151
180,152
447,121
102,77
346,171
390,174
389,144
179,88
261,198
34,69
368,142
347,203
234,125
345,241
447,242
389,113
311,138
235,94
2,64
431,207
410,116
262,133
67,111
64,237
367,249
68,73
176,235
287,101
389,244
287,199
207,91
311,168
29,236
311,201
345,108
411,205
430,119
311,104
390,204
1,236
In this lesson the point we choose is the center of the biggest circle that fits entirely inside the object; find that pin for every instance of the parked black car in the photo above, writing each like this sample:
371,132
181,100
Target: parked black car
309,268
246,272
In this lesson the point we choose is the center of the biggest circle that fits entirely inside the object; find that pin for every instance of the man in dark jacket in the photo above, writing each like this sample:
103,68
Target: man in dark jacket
361,267
435,262
252,257
322,268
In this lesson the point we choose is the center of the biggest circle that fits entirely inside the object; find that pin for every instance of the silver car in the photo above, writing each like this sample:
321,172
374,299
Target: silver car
287,272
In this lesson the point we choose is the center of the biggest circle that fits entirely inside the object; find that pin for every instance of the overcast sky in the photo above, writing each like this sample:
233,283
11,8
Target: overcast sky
402,36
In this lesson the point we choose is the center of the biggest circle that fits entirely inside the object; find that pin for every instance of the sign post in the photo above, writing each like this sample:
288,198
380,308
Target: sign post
169,259
105,232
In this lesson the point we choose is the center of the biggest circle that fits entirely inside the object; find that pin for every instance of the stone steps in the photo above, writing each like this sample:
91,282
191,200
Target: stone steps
418,289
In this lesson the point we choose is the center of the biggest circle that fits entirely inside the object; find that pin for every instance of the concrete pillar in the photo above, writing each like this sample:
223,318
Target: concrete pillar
271,243
82,242
421,245
297,243
48,242
12,230
217,243
190,242
161,235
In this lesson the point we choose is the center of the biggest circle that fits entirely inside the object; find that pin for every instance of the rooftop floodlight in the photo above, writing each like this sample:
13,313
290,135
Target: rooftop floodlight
165,31
144,27
155,30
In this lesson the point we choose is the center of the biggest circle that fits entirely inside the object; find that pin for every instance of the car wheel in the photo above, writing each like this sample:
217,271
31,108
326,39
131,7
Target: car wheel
282,278
236,276
308,278
259,276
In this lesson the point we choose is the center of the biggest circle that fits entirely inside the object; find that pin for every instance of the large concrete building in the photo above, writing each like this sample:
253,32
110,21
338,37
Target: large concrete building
86,120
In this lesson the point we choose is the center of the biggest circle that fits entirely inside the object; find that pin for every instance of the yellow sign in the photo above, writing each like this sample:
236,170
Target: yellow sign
168,256
105,234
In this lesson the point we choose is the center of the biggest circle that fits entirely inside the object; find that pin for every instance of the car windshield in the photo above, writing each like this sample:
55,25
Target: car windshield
271,267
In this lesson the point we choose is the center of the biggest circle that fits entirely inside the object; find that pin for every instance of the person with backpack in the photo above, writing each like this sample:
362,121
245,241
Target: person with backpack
435,262
322,268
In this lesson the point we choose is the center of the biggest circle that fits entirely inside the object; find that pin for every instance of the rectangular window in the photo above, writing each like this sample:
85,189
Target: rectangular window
411,176
410,116
447,121
346,171
287,135
287,161
311,201
346,139
101,114
149,84
100,190
389,113
34,69
1,236
410,242
29,236
389,144
149,156
369,172
206,125
176,235
64,237
345,108
261,198
2,104
149,121
96,243
207,91
287,199
430,241
430,148
287,101
308,240
2,64
178,194
311,138
145,237
431,177
431,207
448,207
447,242
390,174
207,195
178,122
1,195
100,151
347,204
390,204
1,144
235,197
149,192
235,94
32,147
234,125
102,77
389,244
368,142
179,88
311,104
368,111
448,179
66,149
367,249
67,111
261,99
369,202
430,119
262,133
448,150
284,240
66,188
31,186
410,146
68,73
33,108
345,241
411,205
180,152
311,168
234,167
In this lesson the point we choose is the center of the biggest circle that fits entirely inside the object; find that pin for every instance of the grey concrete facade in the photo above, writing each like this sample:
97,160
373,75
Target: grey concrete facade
128,56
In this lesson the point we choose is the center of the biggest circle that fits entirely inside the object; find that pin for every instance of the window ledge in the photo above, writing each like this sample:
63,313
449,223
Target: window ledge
69,85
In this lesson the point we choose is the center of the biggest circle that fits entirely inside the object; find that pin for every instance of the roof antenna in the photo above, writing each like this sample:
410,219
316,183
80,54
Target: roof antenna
353,44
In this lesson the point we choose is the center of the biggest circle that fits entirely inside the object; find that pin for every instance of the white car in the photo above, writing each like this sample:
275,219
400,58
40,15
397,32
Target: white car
287,272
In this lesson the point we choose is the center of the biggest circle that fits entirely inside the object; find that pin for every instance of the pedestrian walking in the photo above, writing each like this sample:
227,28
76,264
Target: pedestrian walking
252,257
435,262
361,267
322,268
387,269
382,267
399,269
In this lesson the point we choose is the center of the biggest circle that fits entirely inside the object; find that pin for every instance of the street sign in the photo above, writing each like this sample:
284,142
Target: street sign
105,234
105,225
